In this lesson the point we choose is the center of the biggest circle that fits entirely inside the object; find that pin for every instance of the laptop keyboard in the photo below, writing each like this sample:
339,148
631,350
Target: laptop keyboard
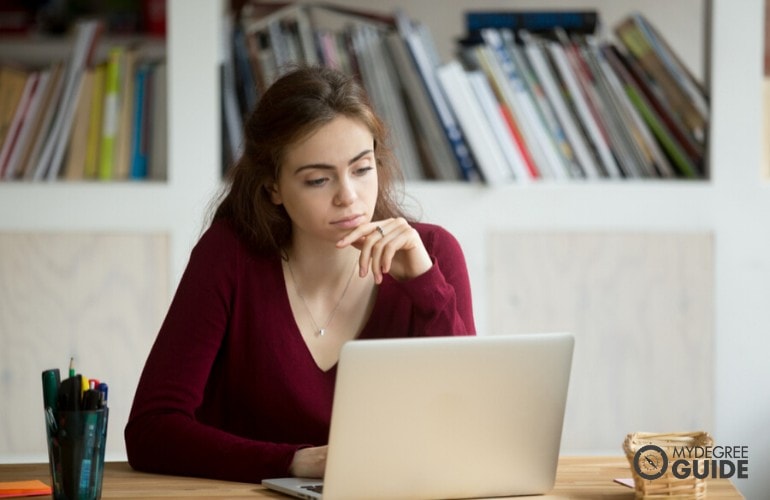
315,488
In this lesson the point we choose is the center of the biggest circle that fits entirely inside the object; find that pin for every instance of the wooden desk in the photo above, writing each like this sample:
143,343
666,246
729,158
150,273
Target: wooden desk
576,477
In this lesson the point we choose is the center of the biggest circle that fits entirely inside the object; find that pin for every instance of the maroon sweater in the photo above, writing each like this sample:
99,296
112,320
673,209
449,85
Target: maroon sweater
230,390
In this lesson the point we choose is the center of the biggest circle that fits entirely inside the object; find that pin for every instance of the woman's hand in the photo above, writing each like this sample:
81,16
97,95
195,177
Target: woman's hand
309,462
389,246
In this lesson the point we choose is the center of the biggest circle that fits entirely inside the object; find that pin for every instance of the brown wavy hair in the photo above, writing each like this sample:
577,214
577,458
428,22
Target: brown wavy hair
293,107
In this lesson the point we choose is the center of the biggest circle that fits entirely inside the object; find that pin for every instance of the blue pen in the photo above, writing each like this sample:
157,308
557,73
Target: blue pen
103,389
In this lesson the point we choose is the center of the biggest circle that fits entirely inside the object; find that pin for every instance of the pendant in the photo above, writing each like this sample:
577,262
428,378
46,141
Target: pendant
322,332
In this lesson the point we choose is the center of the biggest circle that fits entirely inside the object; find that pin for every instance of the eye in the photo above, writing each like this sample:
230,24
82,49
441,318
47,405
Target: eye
363,170
316,182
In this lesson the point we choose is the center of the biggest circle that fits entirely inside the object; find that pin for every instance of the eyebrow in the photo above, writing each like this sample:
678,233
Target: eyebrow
326,166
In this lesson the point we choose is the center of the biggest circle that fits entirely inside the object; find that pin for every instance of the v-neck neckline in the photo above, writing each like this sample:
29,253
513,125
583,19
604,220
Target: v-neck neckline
297,333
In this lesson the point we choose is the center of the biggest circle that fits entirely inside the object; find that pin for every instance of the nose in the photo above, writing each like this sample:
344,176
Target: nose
346,194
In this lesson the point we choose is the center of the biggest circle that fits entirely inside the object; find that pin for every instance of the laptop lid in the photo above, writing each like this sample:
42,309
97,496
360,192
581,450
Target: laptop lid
448,417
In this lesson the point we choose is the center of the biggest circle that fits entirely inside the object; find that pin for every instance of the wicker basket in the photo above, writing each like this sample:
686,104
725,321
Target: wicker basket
667,485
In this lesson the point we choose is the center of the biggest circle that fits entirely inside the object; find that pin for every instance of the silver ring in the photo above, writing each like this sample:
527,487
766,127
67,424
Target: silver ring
379,230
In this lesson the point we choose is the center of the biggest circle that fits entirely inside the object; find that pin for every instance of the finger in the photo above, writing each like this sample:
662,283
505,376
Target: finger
364,231
384,249
388,252
357,234
365,258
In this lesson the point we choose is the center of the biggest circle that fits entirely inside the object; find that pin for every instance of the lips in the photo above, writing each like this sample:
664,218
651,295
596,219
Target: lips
348,222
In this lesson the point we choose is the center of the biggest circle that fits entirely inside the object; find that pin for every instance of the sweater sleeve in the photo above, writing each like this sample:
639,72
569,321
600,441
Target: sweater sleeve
163,434
442,295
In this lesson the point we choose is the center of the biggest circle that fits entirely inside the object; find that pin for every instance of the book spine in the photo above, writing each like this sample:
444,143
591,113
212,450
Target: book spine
514,164
20,115
138,168
91,168
577,80
456,85
111,113
577,21
541,141
465,159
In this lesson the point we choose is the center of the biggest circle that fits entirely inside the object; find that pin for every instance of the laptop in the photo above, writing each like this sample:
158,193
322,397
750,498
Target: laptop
444,417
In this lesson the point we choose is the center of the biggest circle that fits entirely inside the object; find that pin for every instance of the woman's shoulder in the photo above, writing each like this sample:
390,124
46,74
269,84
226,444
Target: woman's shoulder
218,236
221,239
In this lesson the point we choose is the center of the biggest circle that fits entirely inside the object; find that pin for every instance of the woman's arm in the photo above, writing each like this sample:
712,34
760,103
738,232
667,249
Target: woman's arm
442,295
163,432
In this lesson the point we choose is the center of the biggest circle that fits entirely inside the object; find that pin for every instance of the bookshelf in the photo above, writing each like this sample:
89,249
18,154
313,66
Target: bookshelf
719,223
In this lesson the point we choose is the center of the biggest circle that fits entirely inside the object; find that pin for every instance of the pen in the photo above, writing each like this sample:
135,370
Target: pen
91,400
83,385
103,389
72,367
51,380
69,394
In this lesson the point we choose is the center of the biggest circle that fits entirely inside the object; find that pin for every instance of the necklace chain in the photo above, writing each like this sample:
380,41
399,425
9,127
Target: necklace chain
322,330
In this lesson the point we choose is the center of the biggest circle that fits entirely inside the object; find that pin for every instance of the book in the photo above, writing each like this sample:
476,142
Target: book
125,131
534,21
87,34
380,80
491,108
480,58
40,128
436,148
25,137
139,124
232,120
20,115
619,124
536,51
694,149
576,79
110,113
678,70
545,111
244,74
91,166
662,133
284,35
653,161
157,168
74,167
425,64
457,87
549,160
647,53
12,82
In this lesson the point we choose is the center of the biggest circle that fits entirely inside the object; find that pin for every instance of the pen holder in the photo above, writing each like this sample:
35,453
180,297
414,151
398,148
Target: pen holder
76,443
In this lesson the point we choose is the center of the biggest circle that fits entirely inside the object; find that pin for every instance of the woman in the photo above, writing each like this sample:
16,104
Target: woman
307,249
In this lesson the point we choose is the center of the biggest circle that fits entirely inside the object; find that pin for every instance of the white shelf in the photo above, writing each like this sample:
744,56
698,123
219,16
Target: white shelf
658,205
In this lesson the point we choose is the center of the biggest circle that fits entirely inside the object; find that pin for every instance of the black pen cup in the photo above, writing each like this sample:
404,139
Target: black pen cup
76,443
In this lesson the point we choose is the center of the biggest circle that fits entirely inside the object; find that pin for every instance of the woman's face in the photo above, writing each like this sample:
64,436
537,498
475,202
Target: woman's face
328,181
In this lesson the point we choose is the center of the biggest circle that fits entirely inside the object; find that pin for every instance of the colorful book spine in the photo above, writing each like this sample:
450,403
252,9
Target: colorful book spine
91,167
139,137
110,114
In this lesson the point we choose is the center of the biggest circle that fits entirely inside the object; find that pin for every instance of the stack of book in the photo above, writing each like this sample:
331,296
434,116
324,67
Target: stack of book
82,117
379,48
531,96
